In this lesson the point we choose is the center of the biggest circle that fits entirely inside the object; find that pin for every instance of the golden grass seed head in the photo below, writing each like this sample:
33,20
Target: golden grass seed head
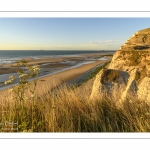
17,64
11,90
32,95
23,76
23,61
12,77
8,82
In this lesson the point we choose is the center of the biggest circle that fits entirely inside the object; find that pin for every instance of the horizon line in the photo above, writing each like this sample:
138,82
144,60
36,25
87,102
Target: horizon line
52,50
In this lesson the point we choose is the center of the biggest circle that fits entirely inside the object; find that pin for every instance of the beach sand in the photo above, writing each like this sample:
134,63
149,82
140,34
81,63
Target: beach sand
67,75
58,60
52,81
48,62
9,70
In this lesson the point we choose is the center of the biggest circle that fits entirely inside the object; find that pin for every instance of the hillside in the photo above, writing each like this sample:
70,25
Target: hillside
129,70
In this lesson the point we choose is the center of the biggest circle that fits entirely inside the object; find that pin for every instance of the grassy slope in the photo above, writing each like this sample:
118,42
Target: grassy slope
68,109
65,110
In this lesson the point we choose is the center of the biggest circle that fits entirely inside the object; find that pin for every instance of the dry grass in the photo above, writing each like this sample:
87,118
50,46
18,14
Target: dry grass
65,110
69,109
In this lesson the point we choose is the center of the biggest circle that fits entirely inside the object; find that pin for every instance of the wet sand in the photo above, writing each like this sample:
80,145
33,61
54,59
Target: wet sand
55,80
59,60
52,81
67,75
9,70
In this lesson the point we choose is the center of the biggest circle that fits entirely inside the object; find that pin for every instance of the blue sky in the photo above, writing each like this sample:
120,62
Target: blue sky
68,33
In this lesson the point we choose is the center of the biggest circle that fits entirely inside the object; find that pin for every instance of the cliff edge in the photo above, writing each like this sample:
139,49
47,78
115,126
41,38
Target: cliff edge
128,75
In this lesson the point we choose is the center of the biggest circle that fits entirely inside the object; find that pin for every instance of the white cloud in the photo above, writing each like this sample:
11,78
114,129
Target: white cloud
104,42
97,45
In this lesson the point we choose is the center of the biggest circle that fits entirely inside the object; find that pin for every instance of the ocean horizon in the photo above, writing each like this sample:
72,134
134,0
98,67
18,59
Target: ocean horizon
10,56
69,60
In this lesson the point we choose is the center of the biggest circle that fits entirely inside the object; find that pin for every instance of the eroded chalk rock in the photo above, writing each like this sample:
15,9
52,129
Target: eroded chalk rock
128,75
144,89
109,83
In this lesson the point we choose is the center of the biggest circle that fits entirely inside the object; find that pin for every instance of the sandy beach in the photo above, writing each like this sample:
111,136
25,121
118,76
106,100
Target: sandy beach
51,81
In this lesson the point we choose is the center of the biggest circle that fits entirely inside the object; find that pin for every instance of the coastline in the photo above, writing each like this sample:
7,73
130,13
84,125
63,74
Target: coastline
67,73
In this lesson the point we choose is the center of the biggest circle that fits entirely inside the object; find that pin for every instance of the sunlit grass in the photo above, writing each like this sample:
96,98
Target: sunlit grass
66,109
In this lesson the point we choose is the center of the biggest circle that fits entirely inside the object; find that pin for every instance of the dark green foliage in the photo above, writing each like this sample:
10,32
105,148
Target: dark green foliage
96,71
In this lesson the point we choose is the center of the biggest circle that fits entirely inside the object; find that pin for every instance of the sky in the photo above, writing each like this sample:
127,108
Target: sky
68,33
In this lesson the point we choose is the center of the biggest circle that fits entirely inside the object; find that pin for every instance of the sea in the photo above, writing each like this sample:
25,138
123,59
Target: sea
10,56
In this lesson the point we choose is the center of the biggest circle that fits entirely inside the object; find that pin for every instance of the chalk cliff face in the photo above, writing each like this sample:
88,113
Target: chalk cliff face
128,74
138,41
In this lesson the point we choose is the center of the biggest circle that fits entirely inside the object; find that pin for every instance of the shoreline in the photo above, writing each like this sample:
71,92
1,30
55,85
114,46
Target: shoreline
67,74
45,73
49,66
57,79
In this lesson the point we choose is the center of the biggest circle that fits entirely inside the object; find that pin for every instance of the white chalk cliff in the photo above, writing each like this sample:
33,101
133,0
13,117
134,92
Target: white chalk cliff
128,75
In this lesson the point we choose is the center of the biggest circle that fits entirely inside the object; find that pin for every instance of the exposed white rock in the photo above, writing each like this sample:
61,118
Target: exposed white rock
109,82
144,89
131,88
128,75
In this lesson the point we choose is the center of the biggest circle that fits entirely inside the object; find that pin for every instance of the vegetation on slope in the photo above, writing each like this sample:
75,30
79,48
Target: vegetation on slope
66,109
96,71
135,57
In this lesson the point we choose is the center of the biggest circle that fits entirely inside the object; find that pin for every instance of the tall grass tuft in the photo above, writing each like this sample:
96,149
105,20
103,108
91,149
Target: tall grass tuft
66,109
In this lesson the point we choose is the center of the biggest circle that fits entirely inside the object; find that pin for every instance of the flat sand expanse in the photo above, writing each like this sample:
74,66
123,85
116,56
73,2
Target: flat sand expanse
51,81
48,62
54,80
58,78
58,60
